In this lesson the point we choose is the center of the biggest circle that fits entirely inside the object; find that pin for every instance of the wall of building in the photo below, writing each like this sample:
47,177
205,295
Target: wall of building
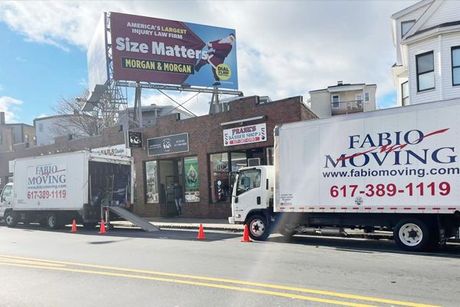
321,103
206,137
441,47
48,128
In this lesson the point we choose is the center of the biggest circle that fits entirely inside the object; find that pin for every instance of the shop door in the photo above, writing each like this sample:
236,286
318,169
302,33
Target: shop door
170,172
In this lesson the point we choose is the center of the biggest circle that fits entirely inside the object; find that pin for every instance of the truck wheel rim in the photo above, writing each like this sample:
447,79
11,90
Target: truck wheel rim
410,234
9,220
51,221
257,228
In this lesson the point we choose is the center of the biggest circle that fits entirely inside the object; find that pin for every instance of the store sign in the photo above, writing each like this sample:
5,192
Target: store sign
115,150
168,144
134,139
172,52
245,135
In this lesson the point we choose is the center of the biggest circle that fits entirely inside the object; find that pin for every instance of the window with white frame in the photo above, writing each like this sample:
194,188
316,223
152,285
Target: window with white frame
456,65
405,93
425,71
335,99
406,26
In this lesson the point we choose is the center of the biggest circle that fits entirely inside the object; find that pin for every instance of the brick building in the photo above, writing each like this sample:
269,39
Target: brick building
190,152
205,159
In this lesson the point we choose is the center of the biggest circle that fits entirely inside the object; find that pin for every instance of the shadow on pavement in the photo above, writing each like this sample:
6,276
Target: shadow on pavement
132,233
368,246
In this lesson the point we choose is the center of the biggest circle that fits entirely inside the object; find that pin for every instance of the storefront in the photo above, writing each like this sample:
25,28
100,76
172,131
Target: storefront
201,155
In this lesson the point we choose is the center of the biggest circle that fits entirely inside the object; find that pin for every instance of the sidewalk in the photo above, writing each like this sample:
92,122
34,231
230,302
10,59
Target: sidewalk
188,223
223,225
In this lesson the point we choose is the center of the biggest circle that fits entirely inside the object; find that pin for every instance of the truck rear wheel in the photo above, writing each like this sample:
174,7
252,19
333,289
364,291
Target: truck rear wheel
52,221
412,235
258,227
11,219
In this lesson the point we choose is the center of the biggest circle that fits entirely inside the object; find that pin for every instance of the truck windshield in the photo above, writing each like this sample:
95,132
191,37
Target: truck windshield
6,195
247,180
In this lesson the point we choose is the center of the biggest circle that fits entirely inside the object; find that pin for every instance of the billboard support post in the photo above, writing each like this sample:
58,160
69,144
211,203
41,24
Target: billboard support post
138,105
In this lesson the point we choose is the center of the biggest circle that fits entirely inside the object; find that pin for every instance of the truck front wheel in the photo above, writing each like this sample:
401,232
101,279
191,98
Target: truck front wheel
11,219
258,227
412,235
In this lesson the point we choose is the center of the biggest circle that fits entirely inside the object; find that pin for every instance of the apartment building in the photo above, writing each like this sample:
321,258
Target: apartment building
427,40
343,98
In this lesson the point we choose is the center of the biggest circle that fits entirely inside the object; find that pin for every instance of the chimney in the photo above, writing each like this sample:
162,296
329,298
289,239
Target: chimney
2,118
339,83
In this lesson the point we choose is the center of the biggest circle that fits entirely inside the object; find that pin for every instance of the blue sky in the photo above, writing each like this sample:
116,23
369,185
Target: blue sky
285,48
39,74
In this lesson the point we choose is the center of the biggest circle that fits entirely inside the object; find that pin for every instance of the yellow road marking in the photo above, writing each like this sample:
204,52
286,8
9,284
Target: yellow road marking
32,262
239,282
193,283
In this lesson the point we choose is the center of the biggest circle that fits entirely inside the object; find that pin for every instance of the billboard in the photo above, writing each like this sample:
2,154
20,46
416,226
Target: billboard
172,52
96,57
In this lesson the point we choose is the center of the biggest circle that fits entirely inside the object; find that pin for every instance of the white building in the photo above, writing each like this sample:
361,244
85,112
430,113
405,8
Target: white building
50,127
427,40
343,99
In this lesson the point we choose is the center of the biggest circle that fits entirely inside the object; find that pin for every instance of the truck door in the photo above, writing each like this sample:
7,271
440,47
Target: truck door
249,192
6,198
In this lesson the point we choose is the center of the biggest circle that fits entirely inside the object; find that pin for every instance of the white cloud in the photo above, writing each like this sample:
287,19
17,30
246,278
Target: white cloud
285,48
10,106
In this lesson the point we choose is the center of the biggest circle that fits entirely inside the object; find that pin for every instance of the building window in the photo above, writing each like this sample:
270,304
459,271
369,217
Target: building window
406,26
151,181
366,96
405,93
456,65
192,180
220,177
335,101
425,71
359,98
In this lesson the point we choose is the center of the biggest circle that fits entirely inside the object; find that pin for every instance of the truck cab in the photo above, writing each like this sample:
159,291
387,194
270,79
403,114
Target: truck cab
6,199
252,199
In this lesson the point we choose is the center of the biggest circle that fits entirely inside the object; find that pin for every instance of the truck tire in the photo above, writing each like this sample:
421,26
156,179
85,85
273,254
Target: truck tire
11,219
52,221
412,235
287,231
258,227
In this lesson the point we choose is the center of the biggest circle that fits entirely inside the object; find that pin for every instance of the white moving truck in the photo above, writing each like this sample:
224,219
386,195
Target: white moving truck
396,169
55,189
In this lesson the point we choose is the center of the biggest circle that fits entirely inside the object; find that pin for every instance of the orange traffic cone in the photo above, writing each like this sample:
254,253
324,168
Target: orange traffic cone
102,230
74,226
201,235
246,234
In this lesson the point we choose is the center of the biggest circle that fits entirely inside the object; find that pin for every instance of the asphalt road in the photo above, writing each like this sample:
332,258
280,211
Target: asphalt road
171,268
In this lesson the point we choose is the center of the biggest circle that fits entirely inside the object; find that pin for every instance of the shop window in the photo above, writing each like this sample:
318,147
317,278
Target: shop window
192,180
151,183
220,177
238,160
270,155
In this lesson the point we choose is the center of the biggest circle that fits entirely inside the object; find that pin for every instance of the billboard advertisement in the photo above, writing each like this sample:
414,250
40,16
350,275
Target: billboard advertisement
172,52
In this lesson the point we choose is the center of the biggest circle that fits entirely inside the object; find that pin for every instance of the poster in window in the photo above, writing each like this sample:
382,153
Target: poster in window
192,180
152,195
